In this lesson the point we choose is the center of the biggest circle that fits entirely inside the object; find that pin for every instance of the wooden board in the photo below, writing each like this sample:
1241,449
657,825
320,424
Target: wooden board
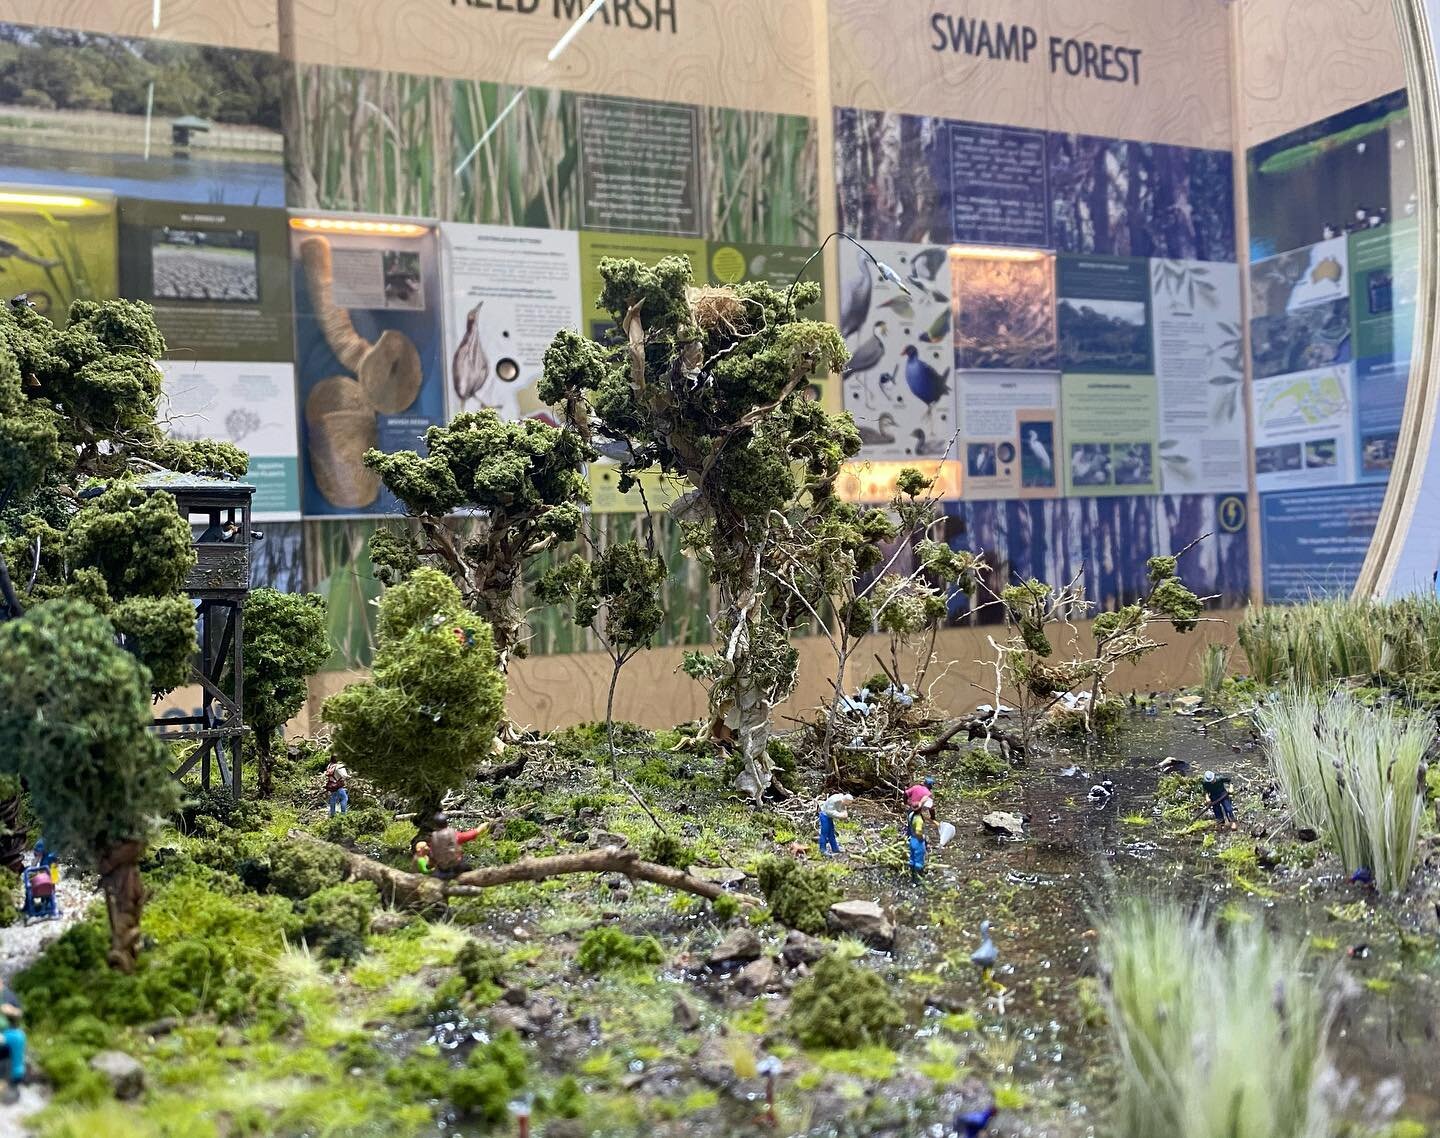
883,57
558,691
749,54
251,24
1303,60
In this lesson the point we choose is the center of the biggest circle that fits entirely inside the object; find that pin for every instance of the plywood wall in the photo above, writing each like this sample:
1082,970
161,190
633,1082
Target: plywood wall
251,24
1301,61
884,57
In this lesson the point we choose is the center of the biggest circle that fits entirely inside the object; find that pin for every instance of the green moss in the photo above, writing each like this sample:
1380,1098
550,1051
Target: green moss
981,765
298,869
337,919
608,949
725,908
667,849
840,1004
350,827
799,897
492,1074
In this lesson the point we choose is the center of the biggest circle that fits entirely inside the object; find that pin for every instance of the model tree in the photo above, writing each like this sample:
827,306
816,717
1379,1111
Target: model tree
286,642
74,709
434,701
712,385
78,420
489,496
615,594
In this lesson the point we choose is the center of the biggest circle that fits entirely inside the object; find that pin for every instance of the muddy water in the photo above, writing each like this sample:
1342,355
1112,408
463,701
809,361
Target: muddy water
1041,894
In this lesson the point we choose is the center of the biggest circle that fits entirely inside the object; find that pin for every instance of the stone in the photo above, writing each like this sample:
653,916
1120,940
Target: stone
739,946
602,838
757,977
516,996
389,921
542,1010
1004,822
683,1015
722,875
863,919
504,1016
802,949
162,1026
123,1072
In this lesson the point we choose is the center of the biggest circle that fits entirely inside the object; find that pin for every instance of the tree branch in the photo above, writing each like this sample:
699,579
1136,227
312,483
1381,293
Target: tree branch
415,890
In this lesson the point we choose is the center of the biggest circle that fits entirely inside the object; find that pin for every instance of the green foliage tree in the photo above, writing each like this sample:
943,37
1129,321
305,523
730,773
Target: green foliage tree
434,701
615,594
74,708
78,420
286,642
713,385
524,480
841,1004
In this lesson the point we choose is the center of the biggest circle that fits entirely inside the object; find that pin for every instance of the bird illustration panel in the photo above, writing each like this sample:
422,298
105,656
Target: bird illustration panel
1010,434
899,383
507,292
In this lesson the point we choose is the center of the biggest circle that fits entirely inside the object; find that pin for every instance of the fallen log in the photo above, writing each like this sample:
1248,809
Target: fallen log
416,890
975,728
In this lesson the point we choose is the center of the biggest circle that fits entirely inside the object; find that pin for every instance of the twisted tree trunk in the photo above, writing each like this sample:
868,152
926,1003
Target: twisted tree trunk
124,901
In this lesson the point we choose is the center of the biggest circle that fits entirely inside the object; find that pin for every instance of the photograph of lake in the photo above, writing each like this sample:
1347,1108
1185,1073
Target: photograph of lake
142,118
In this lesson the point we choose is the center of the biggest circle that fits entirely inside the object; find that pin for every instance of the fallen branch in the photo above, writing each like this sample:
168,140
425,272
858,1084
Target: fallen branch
415,890
976,727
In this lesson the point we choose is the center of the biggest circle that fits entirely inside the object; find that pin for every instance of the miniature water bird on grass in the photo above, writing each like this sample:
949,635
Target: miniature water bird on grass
986,955
971,1123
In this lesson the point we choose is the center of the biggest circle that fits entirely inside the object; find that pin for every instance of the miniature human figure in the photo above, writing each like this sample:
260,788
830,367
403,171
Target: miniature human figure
915,836
921,797
445,843
12,1047
1217,790
336,777
832,808
216,532
422,857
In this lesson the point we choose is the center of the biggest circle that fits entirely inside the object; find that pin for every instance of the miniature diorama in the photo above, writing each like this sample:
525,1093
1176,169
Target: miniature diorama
244,901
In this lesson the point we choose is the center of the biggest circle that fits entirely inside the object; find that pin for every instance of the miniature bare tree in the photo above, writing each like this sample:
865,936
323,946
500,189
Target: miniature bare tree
713,385
616,594
1025,662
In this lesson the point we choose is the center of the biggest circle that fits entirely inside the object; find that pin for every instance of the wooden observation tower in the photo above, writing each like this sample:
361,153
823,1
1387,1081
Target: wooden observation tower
218,511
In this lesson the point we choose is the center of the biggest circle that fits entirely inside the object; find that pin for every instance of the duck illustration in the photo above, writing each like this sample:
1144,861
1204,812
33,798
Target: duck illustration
881,433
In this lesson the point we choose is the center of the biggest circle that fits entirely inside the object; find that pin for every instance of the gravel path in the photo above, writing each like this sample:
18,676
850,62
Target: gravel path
20,946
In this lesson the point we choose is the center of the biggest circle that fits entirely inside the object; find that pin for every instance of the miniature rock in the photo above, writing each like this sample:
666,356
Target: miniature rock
504,1016
866,920
516,996
123,1072
1004,822
802,949
757,977
683,1015
722,875
738,946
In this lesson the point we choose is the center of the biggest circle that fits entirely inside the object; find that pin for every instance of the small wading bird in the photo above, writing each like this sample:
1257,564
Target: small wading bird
869,354
1037,449
986,955
857,299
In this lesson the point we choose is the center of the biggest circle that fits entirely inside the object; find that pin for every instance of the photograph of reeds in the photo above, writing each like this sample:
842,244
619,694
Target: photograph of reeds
892,173
1005,311
761,177
55,254
385,142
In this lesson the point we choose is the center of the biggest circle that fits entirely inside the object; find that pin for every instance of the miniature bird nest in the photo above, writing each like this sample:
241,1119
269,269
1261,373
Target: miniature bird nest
717,309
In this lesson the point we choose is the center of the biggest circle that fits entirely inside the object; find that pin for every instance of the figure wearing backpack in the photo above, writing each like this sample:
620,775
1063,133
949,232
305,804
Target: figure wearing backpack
335,778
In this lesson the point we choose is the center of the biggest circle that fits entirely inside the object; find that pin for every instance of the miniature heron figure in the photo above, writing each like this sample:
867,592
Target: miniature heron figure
985,956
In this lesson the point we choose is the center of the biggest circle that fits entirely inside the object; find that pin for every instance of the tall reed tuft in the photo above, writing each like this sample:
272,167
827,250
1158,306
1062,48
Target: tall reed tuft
1355,774
1315,644
1214,667
1214,1037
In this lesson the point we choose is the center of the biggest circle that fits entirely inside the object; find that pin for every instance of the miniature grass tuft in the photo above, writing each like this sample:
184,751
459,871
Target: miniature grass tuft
842,1005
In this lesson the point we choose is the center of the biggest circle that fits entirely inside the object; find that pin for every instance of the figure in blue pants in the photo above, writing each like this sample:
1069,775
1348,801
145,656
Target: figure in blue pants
12,1047
832,808
915,834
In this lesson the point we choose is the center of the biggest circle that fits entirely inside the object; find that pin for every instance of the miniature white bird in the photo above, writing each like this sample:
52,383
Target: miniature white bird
1037,448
